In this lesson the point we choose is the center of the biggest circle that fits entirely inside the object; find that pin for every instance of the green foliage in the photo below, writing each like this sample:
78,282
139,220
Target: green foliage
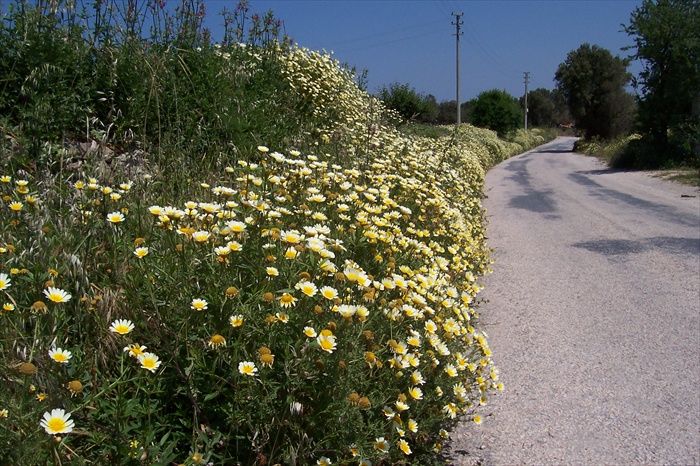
593,83
667,41
540,106
546,108
46,74
69,79
410,104
496,110
635,152
447,112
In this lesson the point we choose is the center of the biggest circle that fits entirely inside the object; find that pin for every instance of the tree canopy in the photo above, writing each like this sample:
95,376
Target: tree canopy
546,108
593,83
496,110
409,103
666,38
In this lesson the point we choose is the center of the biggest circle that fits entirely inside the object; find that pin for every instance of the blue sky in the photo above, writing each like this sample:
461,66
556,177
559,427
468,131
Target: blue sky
413,41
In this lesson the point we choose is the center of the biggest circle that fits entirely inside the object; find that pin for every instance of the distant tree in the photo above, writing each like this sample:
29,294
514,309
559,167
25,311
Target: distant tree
593,84
467,109
410,104
540,105
430,110
496,110
447,112
562,116
666,38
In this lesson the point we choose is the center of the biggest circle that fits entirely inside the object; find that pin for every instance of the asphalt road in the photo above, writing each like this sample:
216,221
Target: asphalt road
593,315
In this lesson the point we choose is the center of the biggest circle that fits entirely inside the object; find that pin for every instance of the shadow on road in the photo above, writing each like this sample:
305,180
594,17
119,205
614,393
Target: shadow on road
622,247
604,171
665,212
533,200
554,151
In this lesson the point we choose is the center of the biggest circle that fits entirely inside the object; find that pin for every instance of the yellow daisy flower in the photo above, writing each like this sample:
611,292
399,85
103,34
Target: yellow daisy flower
236,320
326,342
59,355
416,393
247,368
149,361
217,341
404,447
57,422
381,445
199,304
4,281
135,350
329,292
287,300
122,326
201,236
57,295
306,287
115,217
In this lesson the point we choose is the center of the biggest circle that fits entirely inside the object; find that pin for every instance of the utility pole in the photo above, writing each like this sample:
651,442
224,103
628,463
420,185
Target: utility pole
458,24
526,76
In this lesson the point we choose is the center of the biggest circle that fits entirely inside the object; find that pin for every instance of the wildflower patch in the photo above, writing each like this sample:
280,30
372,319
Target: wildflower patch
315,306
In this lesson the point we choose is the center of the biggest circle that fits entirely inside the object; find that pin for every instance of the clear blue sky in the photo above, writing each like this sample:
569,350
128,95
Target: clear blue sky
413,41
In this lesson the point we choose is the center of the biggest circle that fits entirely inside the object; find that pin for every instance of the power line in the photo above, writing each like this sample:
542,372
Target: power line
488,55
389,33
388,42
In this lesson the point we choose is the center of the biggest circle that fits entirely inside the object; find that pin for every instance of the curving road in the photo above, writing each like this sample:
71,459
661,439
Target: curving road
593,315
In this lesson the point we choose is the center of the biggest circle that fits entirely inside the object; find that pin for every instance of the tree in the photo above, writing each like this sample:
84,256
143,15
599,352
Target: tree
562,116
666,38
593,83
409,103
546,108
540,108
496,110
447,112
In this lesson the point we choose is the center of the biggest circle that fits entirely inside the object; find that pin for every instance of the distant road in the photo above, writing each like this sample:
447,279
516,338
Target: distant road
593,316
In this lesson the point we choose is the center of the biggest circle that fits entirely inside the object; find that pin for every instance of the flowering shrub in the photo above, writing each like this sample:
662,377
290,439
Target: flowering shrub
287,307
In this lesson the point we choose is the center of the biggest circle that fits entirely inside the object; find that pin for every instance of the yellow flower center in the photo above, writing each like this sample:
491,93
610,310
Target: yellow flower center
56,424
217,339
122,329
148,363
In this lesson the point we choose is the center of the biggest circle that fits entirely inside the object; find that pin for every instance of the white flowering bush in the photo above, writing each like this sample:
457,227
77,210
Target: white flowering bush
297,306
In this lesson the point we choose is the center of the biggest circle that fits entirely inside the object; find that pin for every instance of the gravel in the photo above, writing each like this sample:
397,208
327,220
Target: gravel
593,315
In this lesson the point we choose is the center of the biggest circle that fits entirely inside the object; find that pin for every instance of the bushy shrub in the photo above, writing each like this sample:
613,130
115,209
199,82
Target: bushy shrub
410,104
496,110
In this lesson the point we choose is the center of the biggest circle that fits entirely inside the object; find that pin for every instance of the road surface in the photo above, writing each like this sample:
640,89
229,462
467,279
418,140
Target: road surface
593,315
